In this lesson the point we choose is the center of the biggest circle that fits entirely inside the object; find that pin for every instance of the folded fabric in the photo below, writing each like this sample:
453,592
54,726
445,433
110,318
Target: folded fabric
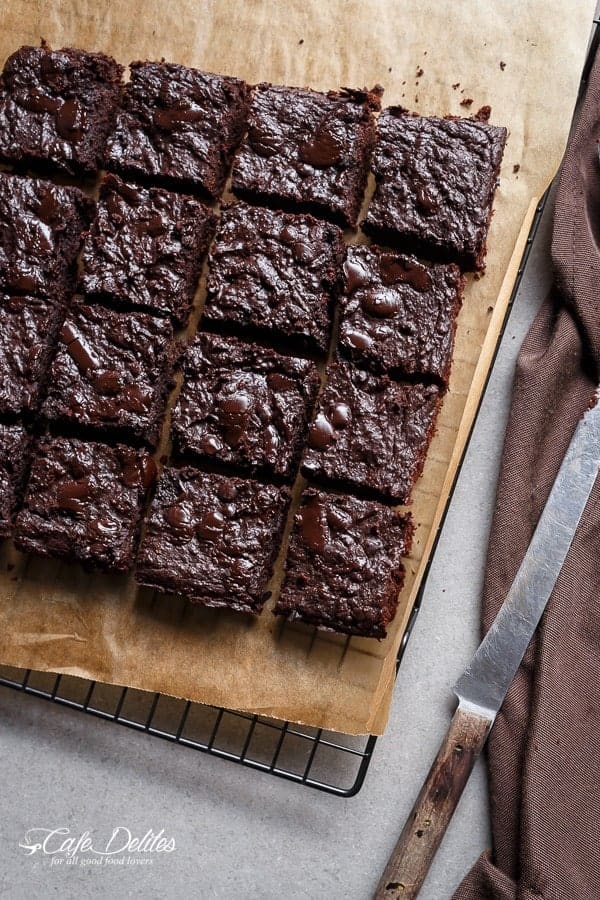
544,750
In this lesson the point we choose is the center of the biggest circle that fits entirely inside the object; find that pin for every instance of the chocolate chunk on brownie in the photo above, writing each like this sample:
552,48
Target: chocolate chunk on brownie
344,567
274,275
57,107
370,434
145,249
83,502
398,315
308,150
212,539
112,373
14,461
436,180
28,329
178,126
244,405
41,229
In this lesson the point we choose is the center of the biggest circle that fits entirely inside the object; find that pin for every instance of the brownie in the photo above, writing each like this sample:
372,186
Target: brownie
83,502
436,180
274,274
399,316
245,405
370,434
212,539
178,126
308,150
57,107
14,461
41,229
344,567
112,373
145,249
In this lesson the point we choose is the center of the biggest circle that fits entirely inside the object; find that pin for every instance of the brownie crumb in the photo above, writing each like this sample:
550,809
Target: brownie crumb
516,168
483,114
455,86
468,101
502,65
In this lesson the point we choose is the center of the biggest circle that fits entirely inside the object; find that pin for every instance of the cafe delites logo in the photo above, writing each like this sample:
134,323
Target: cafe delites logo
119,847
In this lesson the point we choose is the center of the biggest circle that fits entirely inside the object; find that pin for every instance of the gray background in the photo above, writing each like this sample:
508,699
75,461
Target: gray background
243,834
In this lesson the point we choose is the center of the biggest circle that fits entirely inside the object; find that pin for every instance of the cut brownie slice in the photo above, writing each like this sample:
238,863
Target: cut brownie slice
344,566
212,539
178,126
399,316
112,373
57,106
14,461
371,434
274,274
145,249
28,329
436,180
308,150
41,228
245,405
83,502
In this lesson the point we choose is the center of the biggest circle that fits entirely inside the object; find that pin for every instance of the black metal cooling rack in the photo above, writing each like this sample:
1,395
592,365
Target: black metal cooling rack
328,761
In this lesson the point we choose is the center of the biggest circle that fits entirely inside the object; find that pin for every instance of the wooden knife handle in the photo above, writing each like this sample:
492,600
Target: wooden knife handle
434,807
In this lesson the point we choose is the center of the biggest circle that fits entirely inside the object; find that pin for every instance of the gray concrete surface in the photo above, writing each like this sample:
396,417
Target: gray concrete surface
240,834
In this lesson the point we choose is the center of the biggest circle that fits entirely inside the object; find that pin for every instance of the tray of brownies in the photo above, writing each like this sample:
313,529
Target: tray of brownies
244,328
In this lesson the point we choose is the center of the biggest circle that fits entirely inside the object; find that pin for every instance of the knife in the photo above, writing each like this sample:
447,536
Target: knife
481,689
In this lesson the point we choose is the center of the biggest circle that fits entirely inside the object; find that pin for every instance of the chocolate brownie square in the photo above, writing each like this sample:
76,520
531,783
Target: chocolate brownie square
344,567
112,373
145,249
83,502
57,106
436,180
14,461
308,150
212,539
28,329
41,229
370,434
274,275
245,405
398,316
178,126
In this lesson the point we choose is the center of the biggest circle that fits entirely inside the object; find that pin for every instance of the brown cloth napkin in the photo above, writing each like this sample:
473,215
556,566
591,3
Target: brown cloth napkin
544,750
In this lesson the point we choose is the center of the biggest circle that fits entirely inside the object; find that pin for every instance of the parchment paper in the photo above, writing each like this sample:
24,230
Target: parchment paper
522,58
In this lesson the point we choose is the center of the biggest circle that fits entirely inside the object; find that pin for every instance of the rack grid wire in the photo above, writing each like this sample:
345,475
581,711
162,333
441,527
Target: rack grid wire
328,761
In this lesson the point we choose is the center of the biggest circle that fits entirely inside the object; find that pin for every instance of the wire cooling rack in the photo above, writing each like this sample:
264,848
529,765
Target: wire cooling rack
325,760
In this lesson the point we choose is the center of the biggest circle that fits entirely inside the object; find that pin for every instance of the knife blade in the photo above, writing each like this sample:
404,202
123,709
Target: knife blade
482,687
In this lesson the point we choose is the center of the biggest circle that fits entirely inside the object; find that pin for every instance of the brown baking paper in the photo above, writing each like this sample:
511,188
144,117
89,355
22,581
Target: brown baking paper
524,59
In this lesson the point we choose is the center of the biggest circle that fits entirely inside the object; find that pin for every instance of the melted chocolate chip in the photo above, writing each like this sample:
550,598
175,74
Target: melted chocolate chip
321,432
211,525
70,120
322,151
174,119
83,356
426,203
179,517
396,269
312,525
70,496
357,275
